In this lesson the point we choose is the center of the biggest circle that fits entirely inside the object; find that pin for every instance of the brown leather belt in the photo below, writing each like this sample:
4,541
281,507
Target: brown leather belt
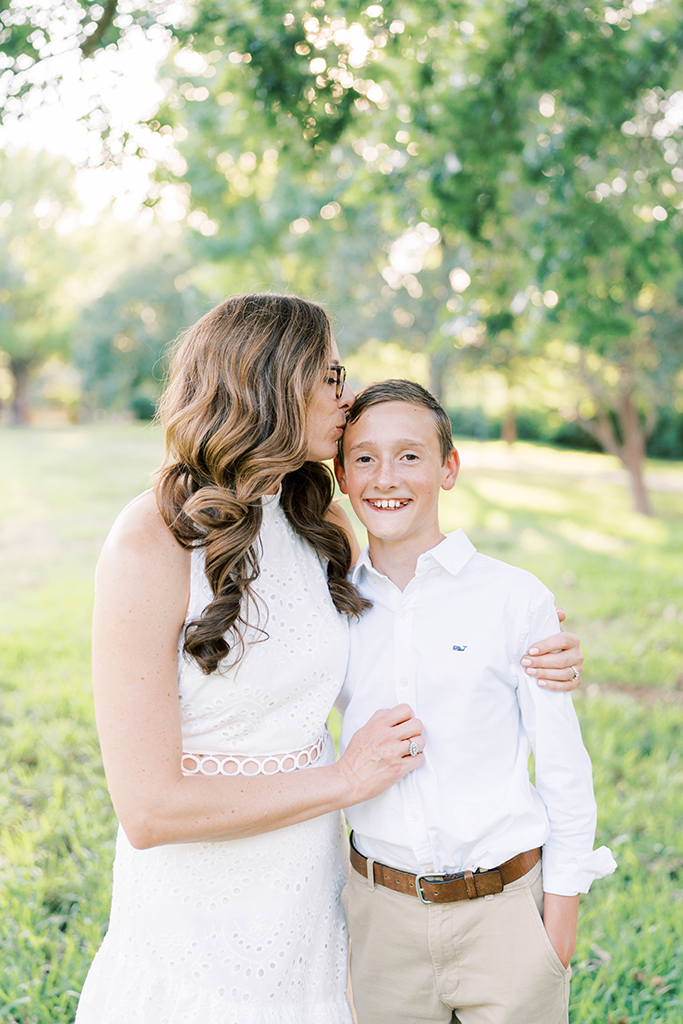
433,888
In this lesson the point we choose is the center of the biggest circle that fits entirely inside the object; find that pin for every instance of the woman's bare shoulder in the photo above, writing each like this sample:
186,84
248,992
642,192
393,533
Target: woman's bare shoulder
140,533
337,515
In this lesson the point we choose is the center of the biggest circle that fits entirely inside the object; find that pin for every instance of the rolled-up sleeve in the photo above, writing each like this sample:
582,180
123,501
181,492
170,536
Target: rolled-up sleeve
563,774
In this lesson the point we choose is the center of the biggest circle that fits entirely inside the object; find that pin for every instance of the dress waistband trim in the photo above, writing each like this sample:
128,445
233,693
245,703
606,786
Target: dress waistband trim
247,764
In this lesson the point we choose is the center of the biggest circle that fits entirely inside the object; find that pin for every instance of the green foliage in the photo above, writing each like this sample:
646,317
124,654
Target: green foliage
38,261
667,437
666,441
57,837
542,142
122,337
365,155
41,266
143,408
628,964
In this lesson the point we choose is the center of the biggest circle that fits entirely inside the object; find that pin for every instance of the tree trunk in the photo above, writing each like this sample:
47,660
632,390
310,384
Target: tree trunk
641,499
21,371
631,453
509,429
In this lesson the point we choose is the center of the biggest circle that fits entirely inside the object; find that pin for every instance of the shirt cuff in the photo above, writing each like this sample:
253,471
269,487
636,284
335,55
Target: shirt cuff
565,875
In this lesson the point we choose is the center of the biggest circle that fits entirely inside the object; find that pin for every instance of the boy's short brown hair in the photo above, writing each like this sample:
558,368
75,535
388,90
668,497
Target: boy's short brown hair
402,391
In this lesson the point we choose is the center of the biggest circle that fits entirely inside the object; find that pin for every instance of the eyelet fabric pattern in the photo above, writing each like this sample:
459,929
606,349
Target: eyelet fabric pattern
270,764
248,930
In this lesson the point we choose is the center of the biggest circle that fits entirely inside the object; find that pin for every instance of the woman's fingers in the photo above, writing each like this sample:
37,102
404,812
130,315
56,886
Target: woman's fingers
561,647
378,754
556,662
409,729
560,680
397,715
400,723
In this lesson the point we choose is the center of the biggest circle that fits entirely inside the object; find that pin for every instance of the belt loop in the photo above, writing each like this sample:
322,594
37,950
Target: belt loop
370,868
470,885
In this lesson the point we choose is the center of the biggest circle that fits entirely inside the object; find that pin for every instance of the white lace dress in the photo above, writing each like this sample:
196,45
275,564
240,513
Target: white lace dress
248,931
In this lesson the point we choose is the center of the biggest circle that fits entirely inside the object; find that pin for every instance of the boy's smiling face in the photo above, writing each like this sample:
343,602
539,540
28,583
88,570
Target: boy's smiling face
393,471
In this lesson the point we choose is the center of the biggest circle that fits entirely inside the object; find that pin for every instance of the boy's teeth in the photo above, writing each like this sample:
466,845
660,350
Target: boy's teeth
388,503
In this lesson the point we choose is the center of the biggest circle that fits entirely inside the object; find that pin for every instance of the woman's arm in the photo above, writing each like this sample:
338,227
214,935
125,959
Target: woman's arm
140,607
552,661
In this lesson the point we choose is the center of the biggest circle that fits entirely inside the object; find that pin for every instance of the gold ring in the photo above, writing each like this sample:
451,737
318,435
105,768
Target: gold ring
575,673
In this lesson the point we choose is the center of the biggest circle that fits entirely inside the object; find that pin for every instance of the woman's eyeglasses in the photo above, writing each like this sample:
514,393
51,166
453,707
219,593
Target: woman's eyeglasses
338,378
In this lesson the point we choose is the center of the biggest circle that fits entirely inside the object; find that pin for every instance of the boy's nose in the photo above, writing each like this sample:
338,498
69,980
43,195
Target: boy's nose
385,477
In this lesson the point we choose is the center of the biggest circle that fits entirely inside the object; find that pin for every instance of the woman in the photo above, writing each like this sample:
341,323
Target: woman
219,648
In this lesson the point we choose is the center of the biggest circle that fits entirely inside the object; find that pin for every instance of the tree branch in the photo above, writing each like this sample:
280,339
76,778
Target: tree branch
89,45
601,429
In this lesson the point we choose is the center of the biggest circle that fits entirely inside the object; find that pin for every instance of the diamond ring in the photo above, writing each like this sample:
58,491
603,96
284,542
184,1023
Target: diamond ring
413,749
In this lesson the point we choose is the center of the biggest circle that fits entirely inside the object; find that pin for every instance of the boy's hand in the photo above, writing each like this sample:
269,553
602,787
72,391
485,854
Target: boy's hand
560,914
552,662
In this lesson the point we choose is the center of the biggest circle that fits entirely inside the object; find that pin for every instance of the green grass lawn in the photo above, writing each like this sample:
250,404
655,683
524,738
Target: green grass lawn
563,515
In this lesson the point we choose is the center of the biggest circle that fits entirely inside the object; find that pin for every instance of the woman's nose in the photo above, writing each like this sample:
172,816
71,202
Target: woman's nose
347,397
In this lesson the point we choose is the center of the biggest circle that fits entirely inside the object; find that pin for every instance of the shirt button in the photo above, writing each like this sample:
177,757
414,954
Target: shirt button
414,815
403,613
404,680
437,572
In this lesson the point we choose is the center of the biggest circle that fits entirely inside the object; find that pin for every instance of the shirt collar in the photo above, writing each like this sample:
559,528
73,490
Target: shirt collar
452,553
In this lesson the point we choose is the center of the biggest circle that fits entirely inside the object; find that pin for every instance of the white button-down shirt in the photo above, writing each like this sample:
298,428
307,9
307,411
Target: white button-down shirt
449,645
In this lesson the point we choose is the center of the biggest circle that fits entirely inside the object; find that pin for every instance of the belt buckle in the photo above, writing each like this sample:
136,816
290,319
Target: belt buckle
429,876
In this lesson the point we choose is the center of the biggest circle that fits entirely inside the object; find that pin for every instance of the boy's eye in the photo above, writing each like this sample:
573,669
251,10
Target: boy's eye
363,458
411,457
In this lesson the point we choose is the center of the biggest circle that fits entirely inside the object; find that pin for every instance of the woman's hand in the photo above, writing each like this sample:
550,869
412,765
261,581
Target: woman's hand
378,755
552,662
560,914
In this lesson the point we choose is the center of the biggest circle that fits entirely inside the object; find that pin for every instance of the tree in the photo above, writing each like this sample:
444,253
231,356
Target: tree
525,136
122,336
529,129
39,265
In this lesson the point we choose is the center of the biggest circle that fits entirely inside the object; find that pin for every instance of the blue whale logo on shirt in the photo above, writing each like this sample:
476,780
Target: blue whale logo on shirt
457,648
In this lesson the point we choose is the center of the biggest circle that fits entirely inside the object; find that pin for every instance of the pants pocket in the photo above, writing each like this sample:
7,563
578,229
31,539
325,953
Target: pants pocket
543,937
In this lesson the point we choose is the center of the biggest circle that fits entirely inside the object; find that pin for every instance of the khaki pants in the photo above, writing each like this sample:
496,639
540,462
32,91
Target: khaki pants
482,961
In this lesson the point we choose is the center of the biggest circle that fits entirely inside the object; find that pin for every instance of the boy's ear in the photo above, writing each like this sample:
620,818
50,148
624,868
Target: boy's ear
340,475
451,468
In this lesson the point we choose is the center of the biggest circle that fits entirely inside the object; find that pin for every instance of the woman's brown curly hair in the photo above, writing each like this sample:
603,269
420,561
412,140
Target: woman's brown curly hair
234,415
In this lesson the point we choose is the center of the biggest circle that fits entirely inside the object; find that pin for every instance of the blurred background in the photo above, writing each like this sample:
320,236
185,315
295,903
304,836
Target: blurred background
487,196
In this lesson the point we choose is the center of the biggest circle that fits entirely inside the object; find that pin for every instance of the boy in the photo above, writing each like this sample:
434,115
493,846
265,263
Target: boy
445,904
